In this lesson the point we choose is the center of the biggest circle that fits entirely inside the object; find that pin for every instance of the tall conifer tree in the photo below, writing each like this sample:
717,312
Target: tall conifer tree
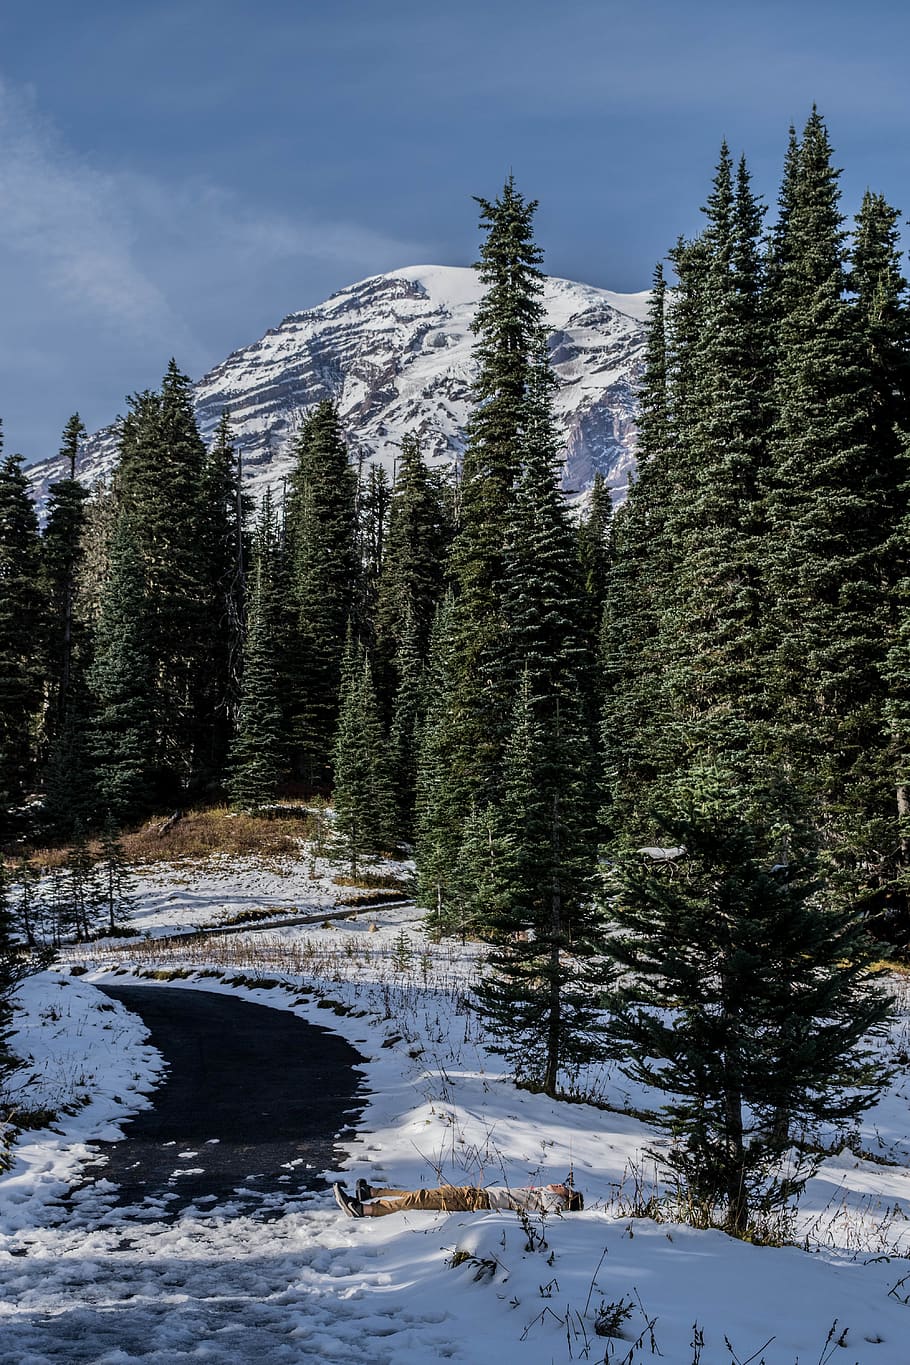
539,846
896,672
880,305
322,544
709,627
594,531
20,633
165,516
546,809
638,583
126,752
827,516
224,550
363,798
374,495
412,579
438,824
261,749
67,778
404,731
61,549
509,327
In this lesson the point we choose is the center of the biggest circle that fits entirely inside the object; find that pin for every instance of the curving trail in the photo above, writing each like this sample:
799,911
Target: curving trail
230,1252
249,1109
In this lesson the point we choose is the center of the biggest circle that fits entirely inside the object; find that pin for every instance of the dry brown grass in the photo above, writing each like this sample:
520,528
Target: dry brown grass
889,964
378,881
45,859
201,834
365,899
259,915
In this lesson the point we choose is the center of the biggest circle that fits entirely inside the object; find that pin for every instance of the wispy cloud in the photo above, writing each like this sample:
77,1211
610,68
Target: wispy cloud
106,272
68,223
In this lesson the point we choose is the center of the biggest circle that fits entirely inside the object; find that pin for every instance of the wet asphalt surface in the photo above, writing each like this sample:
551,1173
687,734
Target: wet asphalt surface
249,1110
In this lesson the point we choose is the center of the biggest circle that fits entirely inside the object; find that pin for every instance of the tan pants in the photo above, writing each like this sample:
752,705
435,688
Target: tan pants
447,1199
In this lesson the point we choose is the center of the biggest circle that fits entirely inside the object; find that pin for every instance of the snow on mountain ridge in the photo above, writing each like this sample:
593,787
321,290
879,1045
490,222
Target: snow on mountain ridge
394,351
456,284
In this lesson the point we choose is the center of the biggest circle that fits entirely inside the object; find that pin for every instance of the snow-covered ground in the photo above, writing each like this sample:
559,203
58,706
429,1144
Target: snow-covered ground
87,1281
225,890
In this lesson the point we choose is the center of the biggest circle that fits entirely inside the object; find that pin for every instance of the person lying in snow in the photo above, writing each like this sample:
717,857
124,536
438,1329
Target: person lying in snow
376,1203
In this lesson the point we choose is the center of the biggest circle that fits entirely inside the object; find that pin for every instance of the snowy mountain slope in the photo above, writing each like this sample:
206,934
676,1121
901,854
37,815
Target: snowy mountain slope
395,352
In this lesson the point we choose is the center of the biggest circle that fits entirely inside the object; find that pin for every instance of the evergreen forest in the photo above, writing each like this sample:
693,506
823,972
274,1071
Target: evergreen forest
655,756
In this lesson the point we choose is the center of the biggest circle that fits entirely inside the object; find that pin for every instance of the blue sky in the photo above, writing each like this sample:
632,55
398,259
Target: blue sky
177,175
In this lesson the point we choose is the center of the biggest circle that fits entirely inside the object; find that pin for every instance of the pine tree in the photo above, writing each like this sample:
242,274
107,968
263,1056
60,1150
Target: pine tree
535,994
20,622
880,306
61,548
260,752
161,486
543,601
364,806
827,522
632,675
510,335
412,580
83,890
709,629
122,679
69,773
67,759
882,316
480,895
896,673
101,513
25,912
438,820
594,551
468,745
747,993
321,529
116,885
780,241
224,549
547,805
175,591
404,732
373,499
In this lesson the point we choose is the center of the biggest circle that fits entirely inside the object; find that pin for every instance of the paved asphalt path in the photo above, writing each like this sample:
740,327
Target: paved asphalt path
250,1107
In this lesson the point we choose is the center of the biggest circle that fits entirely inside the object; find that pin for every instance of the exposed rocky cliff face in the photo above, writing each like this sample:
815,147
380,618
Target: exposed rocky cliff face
394,352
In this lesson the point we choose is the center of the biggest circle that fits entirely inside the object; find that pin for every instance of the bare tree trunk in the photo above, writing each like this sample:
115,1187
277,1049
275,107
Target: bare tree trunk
554,1023
734,1148
735,1192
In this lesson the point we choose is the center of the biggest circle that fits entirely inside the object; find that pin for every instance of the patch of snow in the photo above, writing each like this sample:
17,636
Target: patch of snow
296,1281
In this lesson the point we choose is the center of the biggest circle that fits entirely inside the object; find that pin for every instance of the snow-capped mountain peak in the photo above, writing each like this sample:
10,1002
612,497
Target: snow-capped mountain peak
395,352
